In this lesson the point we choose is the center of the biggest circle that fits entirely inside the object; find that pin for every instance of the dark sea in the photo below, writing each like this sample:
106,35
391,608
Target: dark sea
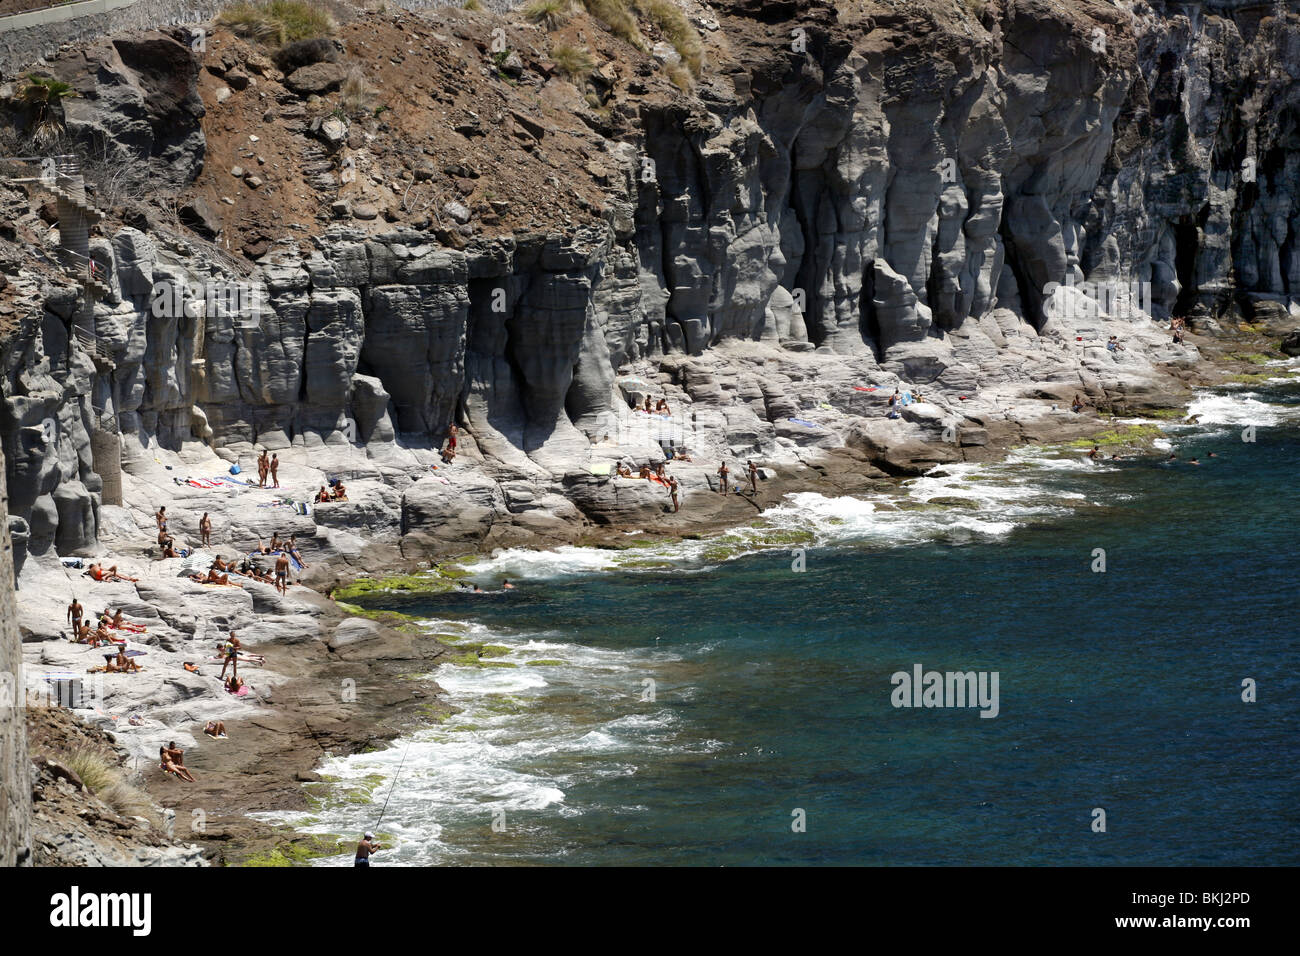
705,703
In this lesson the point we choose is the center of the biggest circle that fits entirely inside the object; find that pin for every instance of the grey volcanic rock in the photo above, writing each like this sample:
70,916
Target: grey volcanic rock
142,107
318,78
966,206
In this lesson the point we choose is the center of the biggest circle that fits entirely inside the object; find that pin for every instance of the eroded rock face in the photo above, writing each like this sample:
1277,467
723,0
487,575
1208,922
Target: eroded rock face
898,202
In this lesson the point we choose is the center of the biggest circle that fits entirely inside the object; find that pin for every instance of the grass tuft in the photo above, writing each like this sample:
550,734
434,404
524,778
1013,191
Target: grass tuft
277,22
574,62
677,30
551,14
93,769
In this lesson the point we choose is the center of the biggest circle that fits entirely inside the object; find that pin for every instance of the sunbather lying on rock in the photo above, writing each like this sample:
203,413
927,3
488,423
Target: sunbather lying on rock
100,573
215,728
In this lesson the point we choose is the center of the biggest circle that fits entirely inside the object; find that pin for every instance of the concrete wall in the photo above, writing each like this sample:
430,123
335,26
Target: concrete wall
26,37
15,769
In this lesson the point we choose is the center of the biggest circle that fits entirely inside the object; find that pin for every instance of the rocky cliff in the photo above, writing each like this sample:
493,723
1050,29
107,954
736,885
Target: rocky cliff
425,220
15,771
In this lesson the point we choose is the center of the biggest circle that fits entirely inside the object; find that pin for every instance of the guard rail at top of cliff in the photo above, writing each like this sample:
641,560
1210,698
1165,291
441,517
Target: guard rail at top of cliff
27,37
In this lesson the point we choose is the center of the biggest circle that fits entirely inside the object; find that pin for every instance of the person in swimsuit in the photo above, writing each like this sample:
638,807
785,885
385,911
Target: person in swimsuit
161,517
205,530
215,728
672,491
263,466
74,612
753,476
365,848
282,574
231,647
275,470
723,472
1095,453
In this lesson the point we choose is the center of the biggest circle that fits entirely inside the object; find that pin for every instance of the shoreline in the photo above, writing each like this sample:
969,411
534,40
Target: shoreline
271,756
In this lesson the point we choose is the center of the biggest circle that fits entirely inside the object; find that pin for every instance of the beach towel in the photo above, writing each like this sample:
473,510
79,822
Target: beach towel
863,388
195,561
601,469
805,422
293,562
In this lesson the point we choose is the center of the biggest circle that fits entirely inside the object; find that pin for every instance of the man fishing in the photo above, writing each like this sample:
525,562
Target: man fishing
366,847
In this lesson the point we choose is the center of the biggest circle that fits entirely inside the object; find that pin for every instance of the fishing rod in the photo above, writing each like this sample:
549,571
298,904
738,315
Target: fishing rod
393,787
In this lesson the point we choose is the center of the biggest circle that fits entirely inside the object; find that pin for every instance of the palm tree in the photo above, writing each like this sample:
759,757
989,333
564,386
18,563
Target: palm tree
43,96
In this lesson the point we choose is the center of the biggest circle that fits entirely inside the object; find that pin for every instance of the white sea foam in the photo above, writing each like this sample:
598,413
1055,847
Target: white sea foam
1240,409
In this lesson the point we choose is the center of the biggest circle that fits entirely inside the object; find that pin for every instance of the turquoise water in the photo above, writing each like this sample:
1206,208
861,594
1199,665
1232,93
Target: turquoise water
1118,690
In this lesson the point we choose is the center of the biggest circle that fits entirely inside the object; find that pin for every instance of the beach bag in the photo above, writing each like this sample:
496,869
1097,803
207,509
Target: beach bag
235,469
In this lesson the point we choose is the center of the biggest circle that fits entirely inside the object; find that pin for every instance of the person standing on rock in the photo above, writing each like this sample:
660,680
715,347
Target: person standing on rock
672,491
282,573
232,647
753,476
263,466
74,612
205,530
451,438
275,470
723,472
161,517
365,848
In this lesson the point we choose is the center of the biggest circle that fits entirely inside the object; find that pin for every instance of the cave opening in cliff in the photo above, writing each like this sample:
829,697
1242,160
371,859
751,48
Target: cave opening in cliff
869,322
1186,246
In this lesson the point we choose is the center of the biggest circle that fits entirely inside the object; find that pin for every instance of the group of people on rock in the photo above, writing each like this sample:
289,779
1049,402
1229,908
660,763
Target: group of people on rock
724,474
449,447
335,492
268,466
660,407
658,474
116,660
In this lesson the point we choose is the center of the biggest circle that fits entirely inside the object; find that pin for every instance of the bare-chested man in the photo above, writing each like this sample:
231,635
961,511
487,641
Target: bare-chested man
74,612
275,470
723,472
205,530
263,466
282,573
753,476
365,848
